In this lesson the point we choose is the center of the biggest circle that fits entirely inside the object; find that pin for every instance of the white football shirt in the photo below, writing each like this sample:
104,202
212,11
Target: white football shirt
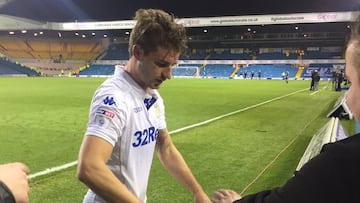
129,118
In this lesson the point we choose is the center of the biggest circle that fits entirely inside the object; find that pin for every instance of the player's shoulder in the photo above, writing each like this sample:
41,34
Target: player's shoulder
111,93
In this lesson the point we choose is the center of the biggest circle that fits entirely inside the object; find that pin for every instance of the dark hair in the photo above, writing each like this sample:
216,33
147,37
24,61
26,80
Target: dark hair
156,28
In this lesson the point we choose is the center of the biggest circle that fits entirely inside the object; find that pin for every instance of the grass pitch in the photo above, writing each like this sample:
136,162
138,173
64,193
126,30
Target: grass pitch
43,120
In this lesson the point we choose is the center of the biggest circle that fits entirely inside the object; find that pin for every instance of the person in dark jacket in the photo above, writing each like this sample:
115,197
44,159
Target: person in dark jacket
316,80
339,80
333,175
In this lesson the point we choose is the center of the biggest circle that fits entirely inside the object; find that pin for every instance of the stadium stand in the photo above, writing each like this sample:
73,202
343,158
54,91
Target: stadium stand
275,55
98,69
216,71
269,71
272,51
325,70
9,68
115,52
184,71
212,62
49,68
48,48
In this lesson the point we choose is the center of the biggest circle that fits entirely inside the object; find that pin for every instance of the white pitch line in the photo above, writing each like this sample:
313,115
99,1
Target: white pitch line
70,164
51,170
234,112
315,92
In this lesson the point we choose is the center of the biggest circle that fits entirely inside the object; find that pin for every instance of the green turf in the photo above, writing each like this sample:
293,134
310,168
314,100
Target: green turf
43,121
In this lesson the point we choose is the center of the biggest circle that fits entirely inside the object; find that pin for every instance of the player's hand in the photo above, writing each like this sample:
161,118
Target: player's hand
14,177
225,196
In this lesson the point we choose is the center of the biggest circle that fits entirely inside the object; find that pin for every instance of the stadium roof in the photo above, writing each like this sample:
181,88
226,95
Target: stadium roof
113,10
89,10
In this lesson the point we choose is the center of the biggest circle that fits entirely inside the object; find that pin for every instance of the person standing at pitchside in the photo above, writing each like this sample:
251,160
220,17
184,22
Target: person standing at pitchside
127,118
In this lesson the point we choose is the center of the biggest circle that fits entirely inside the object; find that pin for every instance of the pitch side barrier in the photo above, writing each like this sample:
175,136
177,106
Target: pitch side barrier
340,109
332,131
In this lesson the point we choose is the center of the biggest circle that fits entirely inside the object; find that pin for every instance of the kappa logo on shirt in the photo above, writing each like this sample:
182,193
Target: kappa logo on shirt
109,101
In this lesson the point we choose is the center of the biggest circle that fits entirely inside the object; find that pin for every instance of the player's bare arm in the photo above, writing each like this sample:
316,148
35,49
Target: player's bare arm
173,161
92,170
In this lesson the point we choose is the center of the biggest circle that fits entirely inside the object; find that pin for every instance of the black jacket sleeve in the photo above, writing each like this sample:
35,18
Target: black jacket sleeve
6,195
260,197
330,177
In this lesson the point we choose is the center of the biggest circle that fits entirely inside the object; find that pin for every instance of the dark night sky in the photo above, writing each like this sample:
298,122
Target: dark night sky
90,10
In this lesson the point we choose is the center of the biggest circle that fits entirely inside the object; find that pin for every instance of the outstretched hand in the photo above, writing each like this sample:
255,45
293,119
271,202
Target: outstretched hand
225,196
14,177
